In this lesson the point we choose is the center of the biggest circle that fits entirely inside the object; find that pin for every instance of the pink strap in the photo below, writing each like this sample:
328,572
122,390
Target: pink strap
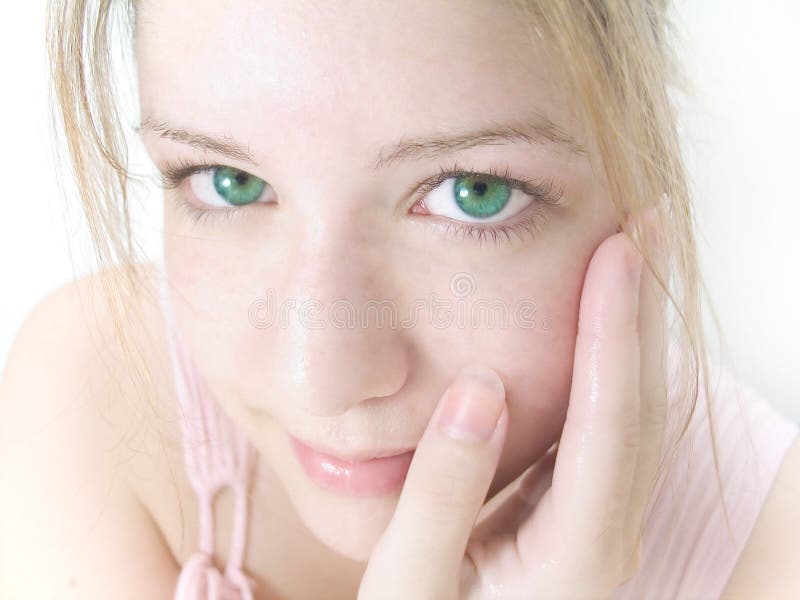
216,454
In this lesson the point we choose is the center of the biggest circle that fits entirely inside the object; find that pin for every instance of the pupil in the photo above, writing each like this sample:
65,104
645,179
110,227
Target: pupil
241,178
480,188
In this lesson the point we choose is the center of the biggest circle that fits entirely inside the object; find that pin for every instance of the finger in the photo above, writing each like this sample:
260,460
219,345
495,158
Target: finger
421,552
653,382
598,445
511,509
537,482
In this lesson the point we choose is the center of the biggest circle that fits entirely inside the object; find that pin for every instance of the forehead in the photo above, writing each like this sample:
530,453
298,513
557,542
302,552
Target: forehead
347,69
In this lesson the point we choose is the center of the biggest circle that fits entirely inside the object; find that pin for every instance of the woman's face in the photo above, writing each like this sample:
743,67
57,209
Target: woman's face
288,299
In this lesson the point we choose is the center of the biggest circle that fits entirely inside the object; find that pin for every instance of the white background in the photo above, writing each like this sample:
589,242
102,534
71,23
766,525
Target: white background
742,138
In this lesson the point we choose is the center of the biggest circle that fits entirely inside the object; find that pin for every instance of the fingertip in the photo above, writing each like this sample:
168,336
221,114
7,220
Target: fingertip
479,373
473,405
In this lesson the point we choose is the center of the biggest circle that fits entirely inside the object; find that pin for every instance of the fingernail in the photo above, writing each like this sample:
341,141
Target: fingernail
472,404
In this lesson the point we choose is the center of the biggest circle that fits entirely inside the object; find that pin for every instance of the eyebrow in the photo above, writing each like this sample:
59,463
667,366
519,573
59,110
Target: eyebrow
536,130
224,145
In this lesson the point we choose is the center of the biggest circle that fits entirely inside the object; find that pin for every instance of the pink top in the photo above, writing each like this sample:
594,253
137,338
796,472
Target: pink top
216,455
687,551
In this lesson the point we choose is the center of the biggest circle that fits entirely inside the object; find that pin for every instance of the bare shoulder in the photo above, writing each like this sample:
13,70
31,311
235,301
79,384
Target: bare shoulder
71,526
70,344
767,567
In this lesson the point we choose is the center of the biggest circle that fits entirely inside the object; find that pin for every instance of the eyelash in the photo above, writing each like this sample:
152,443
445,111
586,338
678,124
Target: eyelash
543,192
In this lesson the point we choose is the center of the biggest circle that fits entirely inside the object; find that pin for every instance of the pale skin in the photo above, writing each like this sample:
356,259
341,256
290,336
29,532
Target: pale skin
291,83
570,528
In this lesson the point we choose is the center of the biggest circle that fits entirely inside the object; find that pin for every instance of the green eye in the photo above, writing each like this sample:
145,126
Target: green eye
479,196
237,187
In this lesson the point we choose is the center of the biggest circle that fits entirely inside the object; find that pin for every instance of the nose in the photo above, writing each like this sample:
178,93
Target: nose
343,343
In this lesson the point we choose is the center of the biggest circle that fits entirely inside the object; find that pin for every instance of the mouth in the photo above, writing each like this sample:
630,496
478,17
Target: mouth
363,474
354,456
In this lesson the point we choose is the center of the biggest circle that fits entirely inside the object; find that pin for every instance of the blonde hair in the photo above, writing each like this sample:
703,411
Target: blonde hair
618,60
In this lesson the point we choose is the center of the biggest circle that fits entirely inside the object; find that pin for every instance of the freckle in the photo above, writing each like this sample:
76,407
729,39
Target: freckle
72,582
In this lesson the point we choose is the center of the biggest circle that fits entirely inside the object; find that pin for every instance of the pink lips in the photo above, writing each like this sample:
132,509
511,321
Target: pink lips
374,477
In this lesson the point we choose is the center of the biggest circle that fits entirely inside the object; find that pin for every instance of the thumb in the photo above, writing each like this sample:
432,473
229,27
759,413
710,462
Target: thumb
421,552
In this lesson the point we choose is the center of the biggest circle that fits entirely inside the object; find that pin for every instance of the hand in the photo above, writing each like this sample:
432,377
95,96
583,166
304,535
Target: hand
570,526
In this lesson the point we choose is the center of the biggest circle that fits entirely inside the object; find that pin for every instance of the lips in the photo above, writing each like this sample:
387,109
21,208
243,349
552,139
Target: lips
355,456
374,473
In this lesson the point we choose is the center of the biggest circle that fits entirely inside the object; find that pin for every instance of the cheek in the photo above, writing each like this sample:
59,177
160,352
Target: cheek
210,308
538,373
534,357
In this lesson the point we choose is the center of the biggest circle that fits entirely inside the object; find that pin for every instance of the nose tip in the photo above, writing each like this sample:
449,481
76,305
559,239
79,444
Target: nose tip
336,369
343,344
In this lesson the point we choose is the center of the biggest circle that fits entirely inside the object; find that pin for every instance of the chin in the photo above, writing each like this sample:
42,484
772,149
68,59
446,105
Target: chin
348,526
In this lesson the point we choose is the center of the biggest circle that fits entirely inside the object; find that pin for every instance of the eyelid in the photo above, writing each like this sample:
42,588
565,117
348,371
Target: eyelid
529,220
542,191
545,191
173,174
530,224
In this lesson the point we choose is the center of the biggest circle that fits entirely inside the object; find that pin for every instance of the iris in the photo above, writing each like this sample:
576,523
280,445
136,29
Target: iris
237,187
479,196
